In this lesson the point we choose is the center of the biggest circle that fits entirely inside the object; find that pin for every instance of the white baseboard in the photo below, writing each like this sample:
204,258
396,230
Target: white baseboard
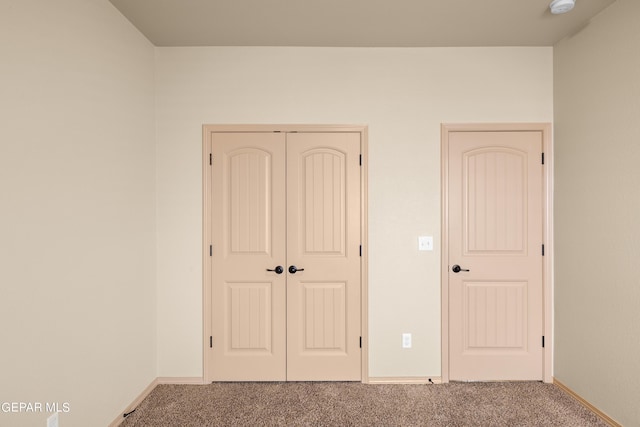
405,380
606,418
160,380
180,380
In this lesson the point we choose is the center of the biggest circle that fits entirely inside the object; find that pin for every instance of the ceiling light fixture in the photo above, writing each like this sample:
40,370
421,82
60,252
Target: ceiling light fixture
561,6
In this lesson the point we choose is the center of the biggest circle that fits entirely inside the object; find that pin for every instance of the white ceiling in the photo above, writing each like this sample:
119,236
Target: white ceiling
355,23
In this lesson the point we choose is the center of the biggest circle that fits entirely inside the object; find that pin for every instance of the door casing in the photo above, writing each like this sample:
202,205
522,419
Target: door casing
547,273
207,129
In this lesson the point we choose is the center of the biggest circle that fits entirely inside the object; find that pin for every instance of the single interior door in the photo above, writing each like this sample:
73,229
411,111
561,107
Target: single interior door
495,232
286,237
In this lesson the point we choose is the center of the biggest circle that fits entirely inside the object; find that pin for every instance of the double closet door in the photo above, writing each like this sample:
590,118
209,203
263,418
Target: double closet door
286,256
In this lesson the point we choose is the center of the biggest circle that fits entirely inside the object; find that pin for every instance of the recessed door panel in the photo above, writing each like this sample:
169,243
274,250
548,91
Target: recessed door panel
324,206
495,202
250,187
495,316
249,317
324,312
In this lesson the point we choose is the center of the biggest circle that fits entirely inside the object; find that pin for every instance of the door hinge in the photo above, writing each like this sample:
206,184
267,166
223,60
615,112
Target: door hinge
543,158
360,159
543,249
210,158
360,342
211,342
210,250
543,341
360,250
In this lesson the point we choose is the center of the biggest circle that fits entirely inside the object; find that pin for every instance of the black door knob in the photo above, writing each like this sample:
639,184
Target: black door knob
278,269
457,269
293,269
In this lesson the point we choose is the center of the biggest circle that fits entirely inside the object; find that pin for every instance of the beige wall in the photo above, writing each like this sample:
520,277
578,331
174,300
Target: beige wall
402,95
83,293
597,143
77,229
78,177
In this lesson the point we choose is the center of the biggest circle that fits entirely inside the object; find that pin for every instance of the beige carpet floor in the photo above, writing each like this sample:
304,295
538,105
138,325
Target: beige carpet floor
355,404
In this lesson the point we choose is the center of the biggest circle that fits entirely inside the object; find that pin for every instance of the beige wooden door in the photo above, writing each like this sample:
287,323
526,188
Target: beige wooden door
248,236
286,200
495,232
323,229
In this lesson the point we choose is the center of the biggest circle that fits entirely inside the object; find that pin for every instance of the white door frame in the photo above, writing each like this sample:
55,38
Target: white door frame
207,261
547,218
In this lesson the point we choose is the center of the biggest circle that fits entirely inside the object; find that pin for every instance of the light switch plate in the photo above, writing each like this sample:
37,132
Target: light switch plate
425,243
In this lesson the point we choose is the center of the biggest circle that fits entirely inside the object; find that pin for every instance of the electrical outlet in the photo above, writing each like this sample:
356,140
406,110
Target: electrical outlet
52,421
406,340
